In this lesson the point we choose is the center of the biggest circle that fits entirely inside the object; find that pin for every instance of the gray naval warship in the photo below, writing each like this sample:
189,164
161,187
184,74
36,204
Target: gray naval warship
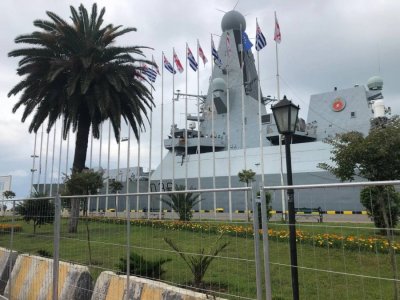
224,138
213,147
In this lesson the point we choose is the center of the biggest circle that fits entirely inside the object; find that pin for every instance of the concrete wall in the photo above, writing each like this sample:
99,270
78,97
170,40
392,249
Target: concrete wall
32,278
6,257
110,286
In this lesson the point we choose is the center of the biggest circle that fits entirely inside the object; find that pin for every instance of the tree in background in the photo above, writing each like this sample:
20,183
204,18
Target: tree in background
267,205
75,72
375,157
116,186
40,211
182,203
247,176
87,182
7,195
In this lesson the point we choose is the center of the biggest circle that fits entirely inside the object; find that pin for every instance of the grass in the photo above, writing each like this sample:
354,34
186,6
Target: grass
232,274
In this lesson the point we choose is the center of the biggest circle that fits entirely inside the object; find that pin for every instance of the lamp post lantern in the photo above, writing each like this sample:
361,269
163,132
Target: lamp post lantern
286,114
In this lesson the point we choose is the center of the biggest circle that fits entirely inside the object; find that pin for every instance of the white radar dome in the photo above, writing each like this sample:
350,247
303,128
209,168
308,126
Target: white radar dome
375,83
219,84
232,20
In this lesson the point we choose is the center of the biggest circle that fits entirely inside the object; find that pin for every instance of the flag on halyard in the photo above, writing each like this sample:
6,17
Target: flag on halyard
201,53
178,63
277,36
168,66
214,53
228,44
246,42
192,62
155,65
150,73
261,42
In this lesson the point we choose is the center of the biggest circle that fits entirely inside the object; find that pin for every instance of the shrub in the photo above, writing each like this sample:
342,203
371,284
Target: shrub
369,198
269,208
182,203
142,267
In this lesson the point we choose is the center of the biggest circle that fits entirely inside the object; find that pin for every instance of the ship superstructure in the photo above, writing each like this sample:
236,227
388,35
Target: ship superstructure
232,103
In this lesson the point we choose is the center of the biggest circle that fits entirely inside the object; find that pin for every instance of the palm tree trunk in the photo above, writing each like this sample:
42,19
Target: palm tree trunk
81,145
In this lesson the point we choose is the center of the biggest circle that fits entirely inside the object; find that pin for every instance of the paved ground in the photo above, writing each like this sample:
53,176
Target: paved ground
243,217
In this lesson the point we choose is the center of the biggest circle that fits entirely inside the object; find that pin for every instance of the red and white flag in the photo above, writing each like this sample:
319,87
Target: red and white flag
277,35
178,63
228,44
201,53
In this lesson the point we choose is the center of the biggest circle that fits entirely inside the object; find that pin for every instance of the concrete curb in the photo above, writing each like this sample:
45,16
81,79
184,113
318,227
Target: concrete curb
6,257
33,276
112,286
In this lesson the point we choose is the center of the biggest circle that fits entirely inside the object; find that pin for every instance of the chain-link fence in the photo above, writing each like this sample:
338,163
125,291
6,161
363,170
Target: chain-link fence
340,254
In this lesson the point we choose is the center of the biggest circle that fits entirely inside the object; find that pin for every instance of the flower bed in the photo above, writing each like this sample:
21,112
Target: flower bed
6,228
325,240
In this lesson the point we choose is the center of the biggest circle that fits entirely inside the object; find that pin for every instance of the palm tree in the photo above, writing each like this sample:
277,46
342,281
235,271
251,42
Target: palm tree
74,72
182,203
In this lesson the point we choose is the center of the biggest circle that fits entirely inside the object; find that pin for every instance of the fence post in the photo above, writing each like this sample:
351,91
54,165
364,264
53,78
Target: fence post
264,220
128,246
56,244
257,247
11,248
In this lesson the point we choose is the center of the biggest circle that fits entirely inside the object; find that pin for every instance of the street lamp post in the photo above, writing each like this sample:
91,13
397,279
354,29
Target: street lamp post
286,114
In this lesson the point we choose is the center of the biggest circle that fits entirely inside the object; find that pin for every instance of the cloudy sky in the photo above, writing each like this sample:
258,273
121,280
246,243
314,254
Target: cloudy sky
324,44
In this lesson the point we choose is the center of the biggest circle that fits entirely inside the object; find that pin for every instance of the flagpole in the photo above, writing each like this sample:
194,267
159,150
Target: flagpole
161,133
173,121
137,176
260,133
150,152
59,159
101,142
33,164
40,161
91,150
213,140
243,119
186,112
108,164
45,163
229,133
128,212
198,127
280,136
52,159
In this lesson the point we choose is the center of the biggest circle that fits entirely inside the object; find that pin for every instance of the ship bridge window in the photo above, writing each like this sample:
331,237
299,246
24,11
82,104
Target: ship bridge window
353,114
266,119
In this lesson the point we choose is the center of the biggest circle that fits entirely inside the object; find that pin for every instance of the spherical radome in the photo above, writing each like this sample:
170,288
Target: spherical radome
375,83
218,84
232,20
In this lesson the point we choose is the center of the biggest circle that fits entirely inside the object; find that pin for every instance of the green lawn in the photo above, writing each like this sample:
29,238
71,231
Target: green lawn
233,272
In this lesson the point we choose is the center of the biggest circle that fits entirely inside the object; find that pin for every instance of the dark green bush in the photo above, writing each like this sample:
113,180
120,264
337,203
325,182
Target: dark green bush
142,267
369,198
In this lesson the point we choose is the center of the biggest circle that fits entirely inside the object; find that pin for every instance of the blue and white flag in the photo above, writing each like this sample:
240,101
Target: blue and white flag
192,61
168,66
246,42
214,53
150,73
261,42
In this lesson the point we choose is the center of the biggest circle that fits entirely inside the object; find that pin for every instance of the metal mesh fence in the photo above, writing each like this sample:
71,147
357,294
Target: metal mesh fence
340,253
